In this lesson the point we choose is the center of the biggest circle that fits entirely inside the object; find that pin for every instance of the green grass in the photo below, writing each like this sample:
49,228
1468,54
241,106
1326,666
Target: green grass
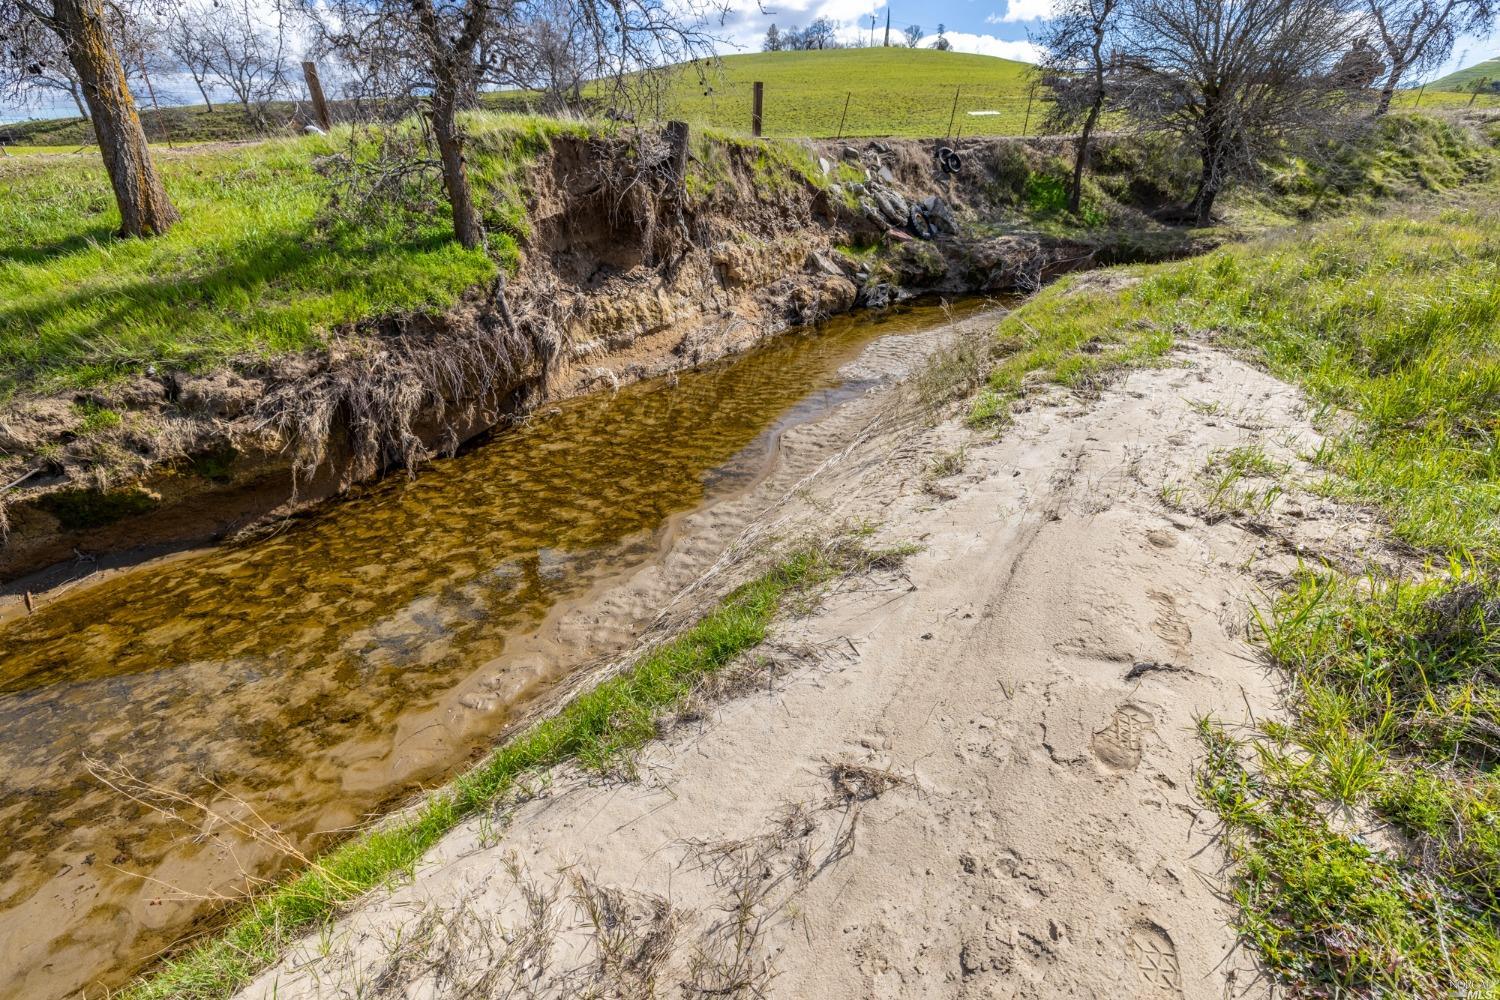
1070,335
891,92
1459,80
1077,333
89,149
256,267
597,729
1441,100
1405,155
1398,322
1395,322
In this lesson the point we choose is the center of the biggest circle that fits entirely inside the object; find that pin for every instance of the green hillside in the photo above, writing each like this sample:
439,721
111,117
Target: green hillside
1461,79
891,92
901,92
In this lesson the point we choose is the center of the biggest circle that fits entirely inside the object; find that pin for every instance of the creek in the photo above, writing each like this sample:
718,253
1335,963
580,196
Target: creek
308,681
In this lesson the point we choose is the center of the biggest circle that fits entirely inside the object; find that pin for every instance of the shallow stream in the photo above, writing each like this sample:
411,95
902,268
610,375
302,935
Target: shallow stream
308,679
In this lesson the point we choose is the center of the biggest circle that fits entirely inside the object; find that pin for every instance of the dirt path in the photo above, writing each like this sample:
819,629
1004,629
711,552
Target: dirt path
969,777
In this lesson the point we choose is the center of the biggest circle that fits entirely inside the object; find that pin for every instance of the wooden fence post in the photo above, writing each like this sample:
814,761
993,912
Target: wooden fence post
315,90
676,134
755,109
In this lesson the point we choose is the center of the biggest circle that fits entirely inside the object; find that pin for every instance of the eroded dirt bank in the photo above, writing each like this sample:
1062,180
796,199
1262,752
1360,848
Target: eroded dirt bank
640,257
966,777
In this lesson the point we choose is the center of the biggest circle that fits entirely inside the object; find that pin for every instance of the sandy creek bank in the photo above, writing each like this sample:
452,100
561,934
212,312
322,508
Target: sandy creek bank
324,675
967,777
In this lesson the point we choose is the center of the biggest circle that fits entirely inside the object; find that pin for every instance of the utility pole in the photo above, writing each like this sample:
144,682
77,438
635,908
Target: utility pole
872,29
887,43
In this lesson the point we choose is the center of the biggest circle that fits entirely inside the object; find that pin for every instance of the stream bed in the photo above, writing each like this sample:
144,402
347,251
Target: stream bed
306,681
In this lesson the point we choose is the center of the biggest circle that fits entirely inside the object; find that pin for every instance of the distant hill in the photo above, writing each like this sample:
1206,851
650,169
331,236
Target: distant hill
1461,79
890,91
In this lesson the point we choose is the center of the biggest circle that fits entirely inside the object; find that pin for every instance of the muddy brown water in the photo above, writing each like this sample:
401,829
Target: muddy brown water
309,679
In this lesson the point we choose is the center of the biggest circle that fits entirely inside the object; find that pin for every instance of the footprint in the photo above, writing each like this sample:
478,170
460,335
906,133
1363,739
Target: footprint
1169,625
1119,743
1161,538
1155,958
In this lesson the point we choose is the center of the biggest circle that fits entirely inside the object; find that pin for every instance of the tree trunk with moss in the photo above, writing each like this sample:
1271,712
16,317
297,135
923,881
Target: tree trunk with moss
145,209
450,143
452,61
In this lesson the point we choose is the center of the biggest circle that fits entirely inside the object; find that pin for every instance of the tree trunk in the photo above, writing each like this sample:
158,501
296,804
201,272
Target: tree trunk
144,207
1389,90
206,102
1075,193
466,226
1096,50
1205,215
452,72
83,111
1202,205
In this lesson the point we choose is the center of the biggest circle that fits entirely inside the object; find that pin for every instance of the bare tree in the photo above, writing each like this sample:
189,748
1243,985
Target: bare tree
1234,78
438,53
914,35
244,54
773,42
1075,69
942,44
1418,34
822,33
547,51
186,38
142,52
83,31
51,72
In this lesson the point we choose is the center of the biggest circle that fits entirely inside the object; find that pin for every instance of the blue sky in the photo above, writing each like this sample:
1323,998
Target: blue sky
993,27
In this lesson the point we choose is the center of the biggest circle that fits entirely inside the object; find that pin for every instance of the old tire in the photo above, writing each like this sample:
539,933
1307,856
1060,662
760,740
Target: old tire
918,222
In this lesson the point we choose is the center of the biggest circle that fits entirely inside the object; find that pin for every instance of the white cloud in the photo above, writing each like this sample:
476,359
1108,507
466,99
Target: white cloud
989,45
850,11
1022,10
